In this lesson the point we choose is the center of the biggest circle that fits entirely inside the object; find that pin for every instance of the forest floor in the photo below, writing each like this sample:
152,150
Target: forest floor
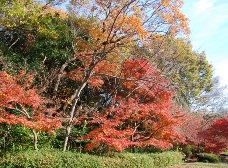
201,165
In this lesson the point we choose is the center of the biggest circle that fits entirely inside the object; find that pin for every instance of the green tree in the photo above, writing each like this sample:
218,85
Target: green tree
35,39
189,72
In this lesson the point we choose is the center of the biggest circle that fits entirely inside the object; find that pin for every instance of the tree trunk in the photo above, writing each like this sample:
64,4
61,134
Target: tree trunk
132,147
76,97
4,142
61,73
34,139
68,129
72,113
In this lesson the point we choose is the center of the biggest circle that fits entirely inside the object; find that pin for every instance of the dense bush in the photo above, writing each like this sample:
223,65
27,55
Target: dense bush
123,160
191,150
15,138
55,158
208,157
50,158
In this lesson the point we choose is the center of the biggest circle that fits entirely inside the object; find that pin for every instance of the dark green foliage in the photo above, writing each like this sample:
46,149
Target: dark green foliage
187,150
44,52
55,158
74,144
14,138
191,150
148,149
208,157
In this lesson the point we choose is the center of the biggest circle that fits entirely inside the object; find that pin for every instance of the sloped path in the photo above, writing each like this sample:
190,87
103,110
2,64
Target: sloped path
201,165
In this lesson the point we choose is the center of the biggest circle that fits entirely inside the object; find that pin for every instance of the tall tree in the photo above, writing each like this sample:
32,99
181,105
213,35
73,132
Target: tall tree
189,72
140,113
112,28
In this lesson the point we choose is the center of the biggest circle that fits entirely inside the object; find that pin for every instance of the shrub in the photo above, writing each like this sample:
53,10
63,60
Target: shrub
208,157
57,159
190,150
168,159
145,160
187,150
50,159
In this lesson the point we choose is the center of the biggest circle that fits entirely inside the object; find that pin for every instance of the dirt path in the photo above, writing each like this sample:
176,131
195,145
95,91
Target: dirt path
201,165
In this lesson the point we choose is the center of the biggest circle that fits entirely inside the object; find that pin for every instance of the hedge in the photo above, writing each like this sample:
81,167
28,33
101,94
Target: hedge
208,157
57,159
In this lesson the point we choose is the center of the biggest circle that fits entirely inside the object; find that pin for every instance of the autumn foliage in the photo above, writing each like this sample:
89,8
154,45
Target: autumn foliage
206,135
215,137
110,71
22,105
191,127
141,113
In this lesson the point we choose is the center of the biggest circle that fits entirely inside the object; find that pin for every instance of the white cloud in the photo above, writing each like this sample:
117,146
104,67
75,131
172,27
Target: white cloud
221,70
203,5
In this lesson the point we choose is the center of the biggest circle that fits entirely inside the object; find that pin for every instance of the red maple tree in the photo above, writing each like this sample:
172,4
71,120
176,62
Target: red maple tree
140,112
20,104
216,136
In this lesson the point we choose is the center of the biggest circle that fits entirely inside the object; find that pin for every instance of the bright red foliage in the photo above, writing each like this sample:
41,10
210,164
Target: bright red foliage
216,136
19,105
141,114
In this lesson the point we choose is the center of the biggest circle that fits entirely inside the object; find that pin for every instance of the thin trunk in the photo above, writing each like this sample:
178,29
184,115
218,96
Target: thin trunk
34,139
68,129
72,112
4,142
132,148
61,73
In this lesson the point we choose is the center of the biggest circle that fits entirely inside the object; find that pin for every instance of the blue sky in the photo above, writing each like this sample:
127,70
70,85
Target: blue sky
209,32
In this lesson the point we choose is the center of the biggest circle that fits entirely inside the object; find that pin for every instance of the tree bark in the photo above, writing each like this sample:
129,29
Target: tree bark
61,73
68,129
72,112
35,139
